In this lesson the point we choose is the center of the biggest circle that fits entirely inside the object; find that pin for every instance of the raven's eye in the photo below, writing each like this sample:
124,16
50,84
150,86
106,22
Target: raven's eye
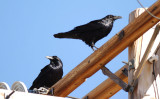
110,16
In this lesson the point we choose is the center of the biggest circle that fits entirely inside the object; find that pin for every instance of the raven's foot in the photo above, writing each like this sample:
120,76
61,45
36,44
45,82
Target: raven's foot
94,47
41,90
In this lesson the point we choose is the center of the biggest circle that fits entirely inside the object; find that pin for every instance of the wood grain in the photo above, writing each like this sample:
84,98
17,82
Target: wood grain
107,52
107,88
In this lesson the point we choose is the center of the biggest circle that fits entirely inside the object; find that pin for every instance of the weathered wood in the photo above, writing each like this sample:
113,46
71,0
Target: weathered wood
116,79
144,59
138,70
134,50
107,88
107,52
146,83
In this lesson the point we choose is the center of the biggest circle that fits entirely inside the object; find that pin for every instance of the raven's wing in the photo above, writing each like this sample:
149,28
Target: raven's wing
79,31
91,26
40,78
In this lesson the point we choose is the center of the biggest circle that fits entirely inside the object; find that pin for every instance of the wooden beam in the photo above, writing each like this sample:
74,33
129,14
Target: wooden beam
143,63
145,88
106,52
149,47
145,56
107,88
134,50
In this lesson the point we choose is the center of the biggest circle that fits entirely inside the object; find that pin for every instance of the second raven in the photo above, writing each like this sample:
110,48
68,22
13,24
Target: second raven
50,74
91,32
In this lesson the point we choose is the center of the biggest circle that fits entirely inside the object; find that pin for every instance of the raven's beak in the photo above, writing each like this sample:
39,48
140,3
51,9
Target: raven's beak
117,17
49,57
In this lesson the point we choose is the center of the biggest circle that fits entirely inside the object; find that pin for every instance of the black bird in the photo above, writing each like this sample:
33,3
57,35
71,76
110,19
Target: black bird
91,32
50,74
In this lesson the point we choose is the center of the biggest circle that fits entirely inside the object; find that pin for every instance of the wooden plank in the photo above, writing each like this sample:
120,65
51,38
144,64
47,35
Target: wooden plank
106,52
144,59
138,70
145,88
148,84
107,88
134,50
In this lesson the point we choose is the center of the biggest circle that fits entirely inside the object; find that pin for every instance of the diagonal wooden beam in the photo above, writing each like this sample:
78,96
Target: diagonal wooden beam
107,52
145,56
115,78
107,88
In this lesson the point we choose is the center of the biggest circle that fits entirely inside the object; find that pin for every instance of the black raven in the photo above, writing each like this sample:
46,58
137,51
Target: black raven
50,74
91,32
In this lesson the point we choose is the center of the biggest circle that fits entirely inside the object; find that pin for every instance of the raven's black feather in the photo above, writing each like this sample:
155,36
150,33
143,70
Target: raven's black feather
91,32
50,74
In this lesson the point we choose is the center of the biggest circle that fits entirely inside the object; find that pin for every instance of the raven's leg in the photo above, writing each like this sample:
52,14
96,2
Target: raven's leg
93,46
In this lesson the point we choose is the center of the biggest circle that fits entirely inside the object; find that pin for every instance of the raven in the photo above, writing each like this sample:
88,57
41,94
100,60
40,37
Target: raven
50,74
91,32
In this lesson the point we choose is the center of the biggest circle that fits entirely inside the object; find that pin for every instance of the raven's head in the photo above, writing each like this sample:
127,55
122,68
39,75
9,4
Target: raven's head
54,59
112,17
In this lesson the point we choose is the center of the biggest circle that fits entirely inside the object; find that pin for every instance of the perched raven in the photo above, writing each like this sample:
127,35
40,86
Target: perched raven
50,74
91,32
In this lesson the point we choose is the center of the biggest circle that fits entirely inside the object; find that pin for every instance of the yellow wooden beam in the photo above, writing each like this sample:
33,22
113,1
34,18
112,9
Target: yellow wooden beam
107,52
107,88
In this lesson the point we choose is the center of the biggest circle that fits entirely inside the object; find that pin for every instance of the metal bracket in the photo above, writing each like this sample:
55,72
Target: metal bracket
125,71
153,58
116,79
133,85
130,64
121,34
131,89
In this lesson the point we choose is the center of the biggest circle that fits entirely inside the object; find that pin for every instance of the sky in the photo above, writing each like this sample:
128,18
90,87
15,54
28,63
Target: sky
27,28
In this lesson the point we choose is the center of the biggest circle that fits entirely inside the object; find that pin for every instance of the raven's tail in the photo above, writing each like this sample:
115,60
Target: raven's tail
66,35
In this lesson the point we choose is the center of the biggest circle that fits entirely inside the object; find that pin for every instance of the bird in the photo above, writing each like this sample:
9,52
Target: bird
91,32
50,74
